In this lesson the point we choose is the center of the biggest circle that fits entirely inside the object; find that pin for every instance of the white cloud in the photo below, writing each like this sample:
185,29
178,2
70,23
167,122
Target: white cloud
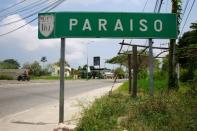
26,39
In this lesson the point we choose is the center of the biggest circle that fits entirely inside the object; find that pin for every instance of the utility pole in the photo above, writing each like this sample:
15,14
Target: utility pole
61,99
87,64
87,59
151,67
135,71
129,68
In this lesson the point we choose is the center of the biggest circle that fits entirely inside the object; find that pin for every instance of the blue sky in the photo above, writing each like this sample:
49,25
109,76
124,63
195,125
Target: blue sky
24,45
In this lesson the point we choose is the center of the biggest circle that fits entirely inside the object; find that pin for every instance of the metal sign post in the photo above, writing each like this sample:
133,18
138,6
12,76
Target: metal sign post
61,99
151,67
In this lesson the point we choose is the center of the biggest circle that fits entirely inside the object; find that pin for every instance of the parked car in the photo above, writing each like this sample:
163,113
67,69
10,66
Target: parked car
108,75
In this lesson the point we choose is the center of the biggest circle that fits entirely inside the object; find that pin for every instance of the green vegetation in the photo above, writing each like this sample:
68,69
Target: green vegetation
187,54
173,107
6,77
164,112
49,78
9,64
119,72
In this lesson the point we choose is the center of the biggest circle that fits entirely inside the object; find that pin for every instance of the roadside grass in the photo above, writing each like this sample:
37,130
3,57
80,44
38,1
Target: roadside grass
143,85
172,111
6,77
49,78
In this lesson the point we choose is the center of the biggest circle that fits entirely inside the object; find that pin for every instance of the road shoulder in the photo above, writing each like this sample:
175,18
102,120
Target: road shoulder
45,117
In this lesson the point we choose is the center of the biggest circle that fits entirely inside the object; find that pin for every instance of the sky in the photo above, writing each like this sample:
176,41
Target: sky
24,45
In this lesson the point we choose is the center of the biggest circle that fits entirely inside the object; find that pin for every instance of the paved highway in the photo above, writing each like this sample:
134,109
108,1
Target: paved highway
18,97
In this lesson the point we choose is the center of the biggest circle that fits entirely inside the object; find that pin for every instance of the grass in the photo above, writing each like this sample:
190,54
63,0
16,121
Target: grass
49,78
6,77
159,85
173,111
143,85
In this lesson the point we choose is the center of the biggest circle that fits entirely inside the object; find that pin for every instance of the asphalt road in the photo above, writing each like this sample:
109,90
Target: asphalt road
15,98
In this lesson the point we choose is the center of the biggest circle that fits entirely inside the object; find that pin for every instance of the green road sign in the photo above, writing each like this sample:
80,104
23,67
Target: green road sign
106,25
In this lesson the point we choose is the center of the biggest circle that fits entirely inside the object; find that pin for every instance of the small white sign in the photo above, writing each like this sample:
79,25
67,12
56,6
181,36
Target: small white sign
46,24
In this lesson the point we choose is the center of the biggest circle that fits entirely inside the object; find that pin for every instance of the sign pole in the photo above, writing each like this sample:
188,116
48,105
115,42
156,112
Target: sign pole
151,67
61,97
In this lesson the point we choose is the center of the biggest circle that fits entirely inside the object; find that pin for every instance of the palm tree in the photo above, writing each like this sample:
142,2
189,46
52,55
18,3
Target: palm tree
43,59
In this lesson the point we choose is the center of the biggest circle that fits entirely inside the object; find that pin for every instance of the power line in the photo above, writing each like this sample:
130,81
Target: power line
159,8
145,6
156,5
166,5
55,5
185,8
12,6
142,11
28,7
187,16
34,13
131,39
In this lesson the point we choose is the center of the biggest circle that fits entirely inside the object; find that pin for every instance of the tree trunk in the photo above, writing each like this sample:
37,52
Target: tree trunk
172,79
171,68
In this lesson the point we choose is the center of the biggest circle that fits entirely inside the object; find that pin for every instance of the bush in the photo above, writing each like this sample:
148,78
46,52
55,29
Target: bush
186,75
175,111
103,114
6,77
160,75
119,72
142,74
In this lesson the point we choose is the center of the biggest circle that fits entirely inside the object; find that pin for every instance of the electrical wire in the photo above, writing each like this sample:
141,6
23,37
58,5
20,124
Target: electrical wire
166,5
185,8
156,5
25,17
55,5
3,10
142,11
28,7
144,6
187,16
159,8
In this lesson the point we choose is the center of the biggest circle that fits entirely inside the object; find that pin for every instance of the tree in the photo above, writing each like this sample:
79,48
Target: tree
65,63
79,68
26,66
123,60
193,26
9,64
176,8
35,69
164,67
119,72
187,52
43,60
119,59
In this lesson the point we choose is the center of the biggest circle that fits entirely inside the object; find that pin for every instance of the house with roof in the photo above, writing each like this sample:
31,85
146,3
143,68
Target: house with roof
55,70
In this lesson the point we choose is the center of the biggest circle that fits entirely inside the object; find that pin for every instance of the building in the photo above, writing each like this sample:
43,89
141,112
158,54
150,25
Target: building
55,70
